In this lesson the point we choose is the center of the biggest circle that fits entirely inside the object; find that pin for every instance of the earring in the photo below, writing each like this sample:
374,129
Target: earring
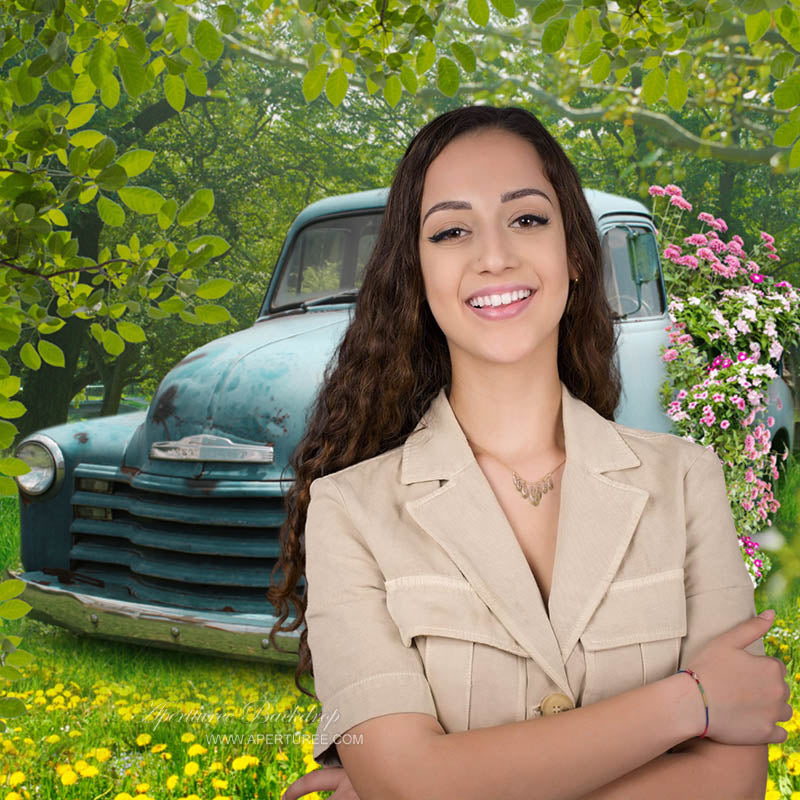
573,282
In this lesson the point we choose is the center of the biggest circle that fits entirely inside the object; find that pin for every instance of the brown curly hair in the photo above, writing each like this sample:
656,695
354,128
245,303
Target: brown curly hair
394,359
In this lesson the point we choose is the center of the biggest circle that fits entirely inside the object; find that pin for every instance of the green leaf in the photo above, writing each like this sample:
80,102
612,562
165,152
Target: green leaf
756,25
134,36
109,94
393,90
112,178
175,91
29,356
106,12
11,587
87,139
226,17
478,11
11,409
197,207
582,25
207,40
601,68
13,466
426,56
79,116
218,244
464,55
166,214
9,387
11,707
554,35
135,162
113,343
10,673
83,89
8,430
103,153
196,81
336,86
447,78
131,71
677,89
653,86
794,156
178,25
47,326
212,314
51,353
14,609
787,94
130,331
547,9
141,199
506,7
110,212
101,63
409,79
19,658
590,52
214,289
314,82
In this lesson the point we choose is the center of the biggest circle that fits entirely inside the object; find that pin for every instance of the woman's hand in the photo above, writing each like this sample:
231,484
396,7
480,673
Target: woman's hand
327,779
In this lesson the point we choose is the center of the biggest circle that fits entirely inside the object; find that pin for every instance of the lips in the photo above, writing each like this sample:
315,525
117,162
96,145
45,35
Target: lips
504,311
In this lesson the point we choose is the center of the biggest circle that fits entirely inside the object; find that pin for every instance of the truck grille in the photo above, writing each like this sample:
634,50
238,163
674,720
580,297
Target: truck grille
204,545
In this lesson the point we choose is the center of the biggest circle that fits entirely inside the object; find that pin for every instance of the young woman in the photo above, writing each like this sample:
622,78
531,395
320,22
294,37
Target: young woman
484,547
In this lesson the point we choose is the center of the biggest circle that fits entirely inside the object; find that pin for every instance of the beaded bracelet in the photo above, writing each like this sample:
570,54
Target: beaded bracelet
702,692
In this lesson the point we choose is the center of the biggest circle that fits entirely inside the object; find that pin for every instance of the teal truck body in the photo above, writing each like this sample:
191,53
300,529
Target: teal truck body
160,527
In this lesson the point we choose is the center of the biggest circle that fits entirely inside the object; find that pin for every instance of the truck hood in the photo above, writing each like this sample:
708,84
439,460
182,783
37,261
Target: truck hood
253,387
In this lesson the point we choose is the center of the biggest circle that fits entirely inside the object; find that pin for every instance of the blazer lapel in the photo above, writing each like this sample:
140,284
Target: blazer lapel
597,518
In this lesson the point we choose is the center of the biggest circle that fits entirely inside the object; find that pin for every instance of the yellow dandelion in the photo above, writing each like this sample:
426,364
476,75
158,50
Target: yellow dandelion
102,754
16,778
13,796
89,771
222,797
68,777
187,737
215,766
73,734
80,764
143,739
141,788
775,752
157,748
196,750
166,756
191,768
218,783
53,738
123,796
172,781
281,756
243,762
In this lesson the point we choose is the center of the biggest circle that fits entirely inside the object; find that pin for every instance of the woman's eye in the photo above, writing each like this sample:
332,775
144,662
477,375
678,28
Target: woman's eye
539,219
438,237
444,235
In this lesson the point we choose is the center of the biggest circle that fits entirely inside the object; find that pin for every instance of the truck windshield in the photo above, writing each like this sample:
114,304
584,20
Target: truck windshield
632,272
327,257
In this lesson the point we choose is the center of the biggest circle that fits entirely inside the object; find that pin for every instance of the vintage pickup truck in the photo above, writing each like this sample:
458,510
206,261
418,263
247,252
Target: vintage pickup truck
160,527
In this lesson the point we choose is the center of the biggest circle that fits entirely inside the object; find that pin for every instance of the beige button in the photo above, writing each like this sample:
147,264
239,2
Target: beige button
556,703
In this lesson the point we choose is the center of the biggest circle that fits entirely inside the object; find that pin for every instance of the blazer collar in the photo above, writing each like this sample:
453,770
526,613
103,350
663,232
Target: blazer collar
597,517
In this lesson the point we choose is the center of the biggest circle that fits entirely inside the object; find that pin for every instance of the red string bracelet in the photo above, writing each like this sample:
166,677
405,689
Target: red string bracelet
702,692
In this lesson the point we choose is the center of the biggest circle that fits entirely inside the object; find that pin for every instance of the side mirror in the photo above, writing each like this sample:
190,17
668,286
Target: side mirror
642,255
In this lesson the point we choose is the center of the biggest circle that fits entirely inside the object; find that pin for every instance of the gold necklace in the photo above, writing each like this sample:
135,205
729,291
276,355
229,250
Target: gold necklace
529,491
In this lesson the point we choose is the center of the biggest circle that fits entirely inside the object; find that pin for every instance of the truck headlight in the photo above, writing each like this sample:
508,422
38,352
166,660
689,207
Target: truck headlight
46,461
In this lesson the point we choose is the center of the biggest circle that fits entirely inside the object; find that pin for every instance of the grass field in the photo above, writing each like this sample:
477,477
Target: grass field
109,720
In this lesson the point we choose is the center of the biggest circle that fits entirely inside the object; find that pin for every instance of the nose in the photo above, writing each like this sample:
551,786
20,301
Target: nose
495,251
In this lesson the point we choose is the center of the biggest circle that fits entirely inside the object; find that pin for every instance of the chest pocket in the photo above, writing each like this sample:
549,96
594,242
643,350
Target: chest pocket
475,668
634,636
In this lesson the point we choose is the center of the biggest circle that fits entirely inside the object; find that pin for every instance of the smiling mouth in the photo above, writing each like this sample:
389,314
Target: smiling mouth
531,292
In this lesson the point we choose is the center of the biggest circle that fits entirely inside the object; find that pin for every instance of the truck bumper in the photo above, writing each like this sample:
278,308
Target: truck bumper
240,636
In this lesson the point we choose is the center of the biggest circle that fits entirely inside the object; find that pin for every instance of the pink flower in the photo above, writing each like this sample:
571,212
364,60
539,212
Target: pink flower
770,421
672,189
720,224
756,277
742,356
767,238
656,190
772,257
696,238
724,424
680,202
704,216
669,355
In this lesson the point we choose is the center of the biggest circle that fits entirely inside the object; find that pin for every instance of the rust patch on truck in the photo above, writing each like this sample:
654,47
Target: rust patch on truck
82,437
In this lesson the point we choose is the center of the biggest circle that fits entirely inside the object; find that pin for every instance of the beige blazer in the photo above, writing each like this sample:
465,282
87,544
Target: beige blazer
421,599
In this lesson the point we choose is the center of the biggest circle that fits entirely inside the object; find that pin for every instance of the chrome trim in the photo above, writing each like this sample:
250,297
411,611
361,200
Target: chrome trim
58,460
206,447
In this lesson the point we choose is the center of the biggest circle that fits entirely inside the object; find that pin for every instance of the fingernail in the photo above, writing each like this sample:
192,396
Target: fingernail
768,614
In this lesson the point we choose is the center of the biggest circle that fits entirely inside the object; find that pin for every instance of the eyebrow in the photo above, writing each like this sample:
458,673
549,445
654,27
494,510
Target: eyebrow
504,198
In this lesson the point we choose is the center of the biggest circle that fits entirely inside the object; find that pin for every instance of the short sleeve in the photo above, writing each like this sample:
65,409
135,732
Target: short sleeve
362,669
719,590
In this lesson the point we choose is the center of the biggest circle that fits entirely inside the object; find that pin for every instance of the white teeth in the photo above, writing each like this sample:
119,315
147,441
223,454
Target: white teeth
499,299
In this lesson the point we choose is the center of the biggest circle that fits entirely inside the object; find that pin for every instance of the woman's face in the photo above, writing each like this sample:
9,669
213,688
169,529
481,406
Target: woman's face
496,240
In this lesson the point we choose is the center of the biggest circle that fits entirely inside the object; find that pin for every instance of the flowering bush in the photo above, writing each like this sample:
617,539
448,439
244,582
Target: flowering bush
730,324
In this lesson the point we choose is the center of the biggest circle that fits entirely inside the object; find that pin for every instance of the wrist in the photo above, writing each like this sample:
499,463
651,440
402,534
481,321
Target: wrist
687,711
